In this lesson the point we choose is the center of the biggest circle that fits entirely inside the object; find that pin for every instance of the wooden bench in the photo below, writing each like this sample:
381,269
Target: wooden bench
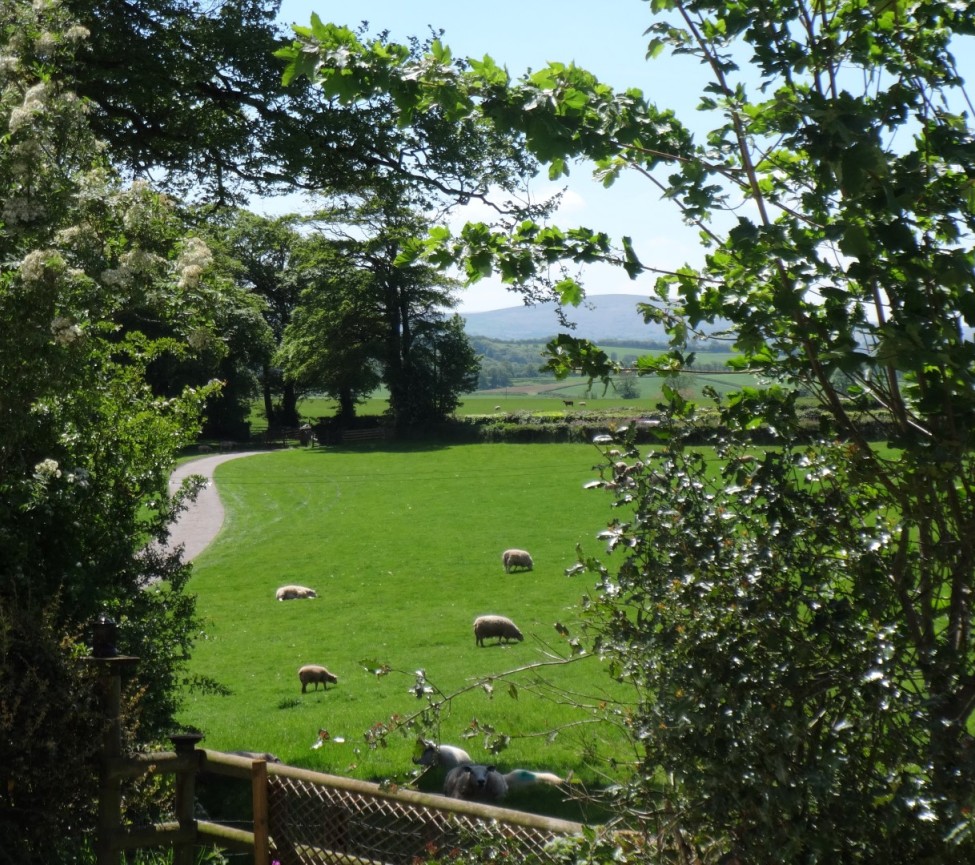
353,436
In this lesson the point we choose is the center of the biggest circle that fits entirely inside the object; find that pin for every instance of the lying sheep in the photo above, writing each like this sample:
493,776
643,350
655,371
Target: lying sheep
495,626
447,756
475,782
257,755
314,673
291,593
526,777
516,559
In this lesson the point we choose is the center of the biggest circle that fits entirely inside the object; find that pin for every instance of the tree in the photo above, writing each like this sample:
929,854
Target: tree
445,367
260,252
333,343
798,622
85,445
367,311
212,124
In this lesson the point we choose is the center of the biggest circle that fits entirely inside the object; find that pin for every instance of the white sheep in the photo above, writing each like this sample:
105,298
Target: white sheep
291,593
475,782
447,756
315,673
495,626
516,559
527,777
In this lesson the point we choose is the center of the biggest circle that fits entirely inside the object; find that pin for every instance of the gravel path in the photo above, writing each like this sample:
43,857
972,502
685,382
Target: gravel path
200,523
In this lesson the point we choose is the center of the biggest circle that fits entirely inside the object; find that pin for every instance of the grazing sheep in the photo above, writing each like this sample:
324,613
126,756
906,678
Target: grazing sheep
516,559
291,593
475,782
314,673
447,756
495,626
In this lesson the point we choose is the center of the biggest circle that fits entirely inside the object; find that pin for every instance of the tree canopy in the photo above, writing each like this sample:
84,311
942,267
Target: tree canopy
366,317
99,281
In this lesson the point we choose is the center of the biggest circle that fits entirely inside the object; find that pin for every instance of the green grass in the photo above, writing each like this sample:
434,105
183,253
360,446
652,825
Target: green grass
404,548
534,395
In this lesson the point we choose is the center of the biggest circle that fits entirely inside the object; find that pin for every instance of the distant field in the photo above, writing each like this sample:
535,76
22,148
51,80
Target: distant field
404,547
537,395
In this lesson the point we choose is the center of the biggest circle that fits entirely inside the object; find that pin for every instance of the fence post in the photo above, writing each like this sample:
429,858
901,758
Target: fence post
260,812
110,671
185,744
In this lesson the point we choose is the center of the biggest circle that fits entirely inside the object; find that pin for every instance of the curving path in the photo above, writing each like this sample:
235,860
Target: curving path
200,523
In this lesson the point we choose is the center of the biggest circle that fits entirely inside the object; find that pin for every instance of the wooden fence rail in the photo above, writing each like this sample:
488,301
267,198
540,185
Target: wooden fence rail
298,816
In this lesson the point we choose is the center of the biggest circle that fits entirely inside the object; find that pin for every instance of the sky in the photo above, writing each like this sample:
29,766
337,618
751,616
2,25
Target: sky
606,38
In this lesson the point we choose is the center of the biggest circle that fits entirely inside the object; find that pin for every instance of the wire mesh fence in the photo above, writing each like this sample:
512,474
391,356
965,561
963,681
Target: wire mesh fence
312,822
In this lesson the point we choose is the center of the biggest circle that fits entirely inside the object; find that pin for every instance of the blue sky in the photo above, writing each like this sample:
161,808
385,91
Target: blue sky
607,39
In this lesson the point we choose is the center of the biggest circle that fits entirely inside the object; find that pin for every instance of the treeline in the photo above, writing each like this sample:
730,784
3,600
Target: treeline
504,361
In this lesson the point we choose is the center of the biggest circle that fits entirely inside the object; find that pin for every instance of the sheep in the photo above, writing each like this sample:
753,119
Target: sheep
291,593
447,756
257,755
526,777
475,782
314,673
495,626
516,559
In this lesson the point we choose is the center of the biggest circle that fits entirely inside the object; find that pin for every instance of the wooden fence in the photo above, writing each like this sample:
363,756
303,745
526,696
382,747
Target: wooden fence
300,817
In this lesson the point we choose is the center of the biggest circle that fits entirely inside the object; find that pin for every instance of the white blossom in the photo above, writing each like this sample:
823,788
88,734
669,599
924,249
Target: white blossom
139,260
47,469
39,264
194,258
79,477
18,209
65,330
115,277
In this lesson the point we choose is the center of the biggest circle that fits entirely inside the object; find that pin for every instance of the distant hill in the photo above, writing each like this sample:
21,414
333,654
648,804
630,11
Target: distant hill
602,316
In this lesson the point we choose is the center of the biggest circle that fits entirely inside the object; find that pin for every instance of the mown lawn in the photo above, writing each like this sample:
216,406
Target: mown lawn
404,549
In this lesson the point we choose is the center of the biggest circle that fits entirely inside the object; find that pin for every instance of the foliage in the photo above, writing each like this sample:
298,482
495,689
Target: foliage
444,368
257,253
98,283
333,344
216,120
802,631
366,316
50,726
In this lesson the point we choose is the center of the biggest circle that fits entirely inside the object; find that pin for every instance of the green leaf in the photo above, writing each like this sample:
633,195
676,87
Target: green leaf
654,48
632,264
570,292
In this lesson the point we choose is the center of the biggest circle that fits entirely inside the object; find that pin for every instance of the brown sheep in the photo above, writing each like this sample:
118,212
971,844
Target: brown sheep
516,559
495,626
315,673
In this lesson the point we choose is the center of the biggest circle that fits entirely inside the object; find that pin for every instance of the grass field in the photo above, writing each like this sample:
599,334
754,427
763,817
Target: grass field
535,395
404,549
